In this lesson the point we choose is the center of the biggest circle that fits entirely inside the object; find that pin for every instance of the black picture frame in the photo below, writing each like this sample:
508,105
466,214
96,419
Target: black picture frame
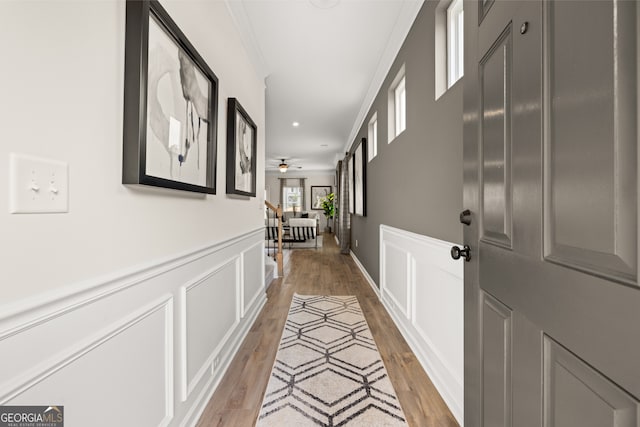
241,157
317,193
350,186
360,178
160,149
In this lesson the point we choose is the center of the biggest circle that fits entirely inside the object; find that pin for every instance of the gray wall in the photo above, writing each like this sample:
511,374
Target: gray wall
414,183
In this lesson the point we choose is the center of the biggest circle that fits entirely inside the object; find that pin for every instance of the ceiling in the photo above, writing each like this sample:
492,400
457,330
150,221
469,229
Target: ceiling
323,62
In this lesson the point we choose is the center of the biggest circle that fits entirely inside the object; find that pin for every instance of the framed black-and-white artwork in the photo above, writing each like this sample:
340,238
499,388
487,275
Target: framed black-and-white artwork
359,178
350,186
170,105
241,150
319,192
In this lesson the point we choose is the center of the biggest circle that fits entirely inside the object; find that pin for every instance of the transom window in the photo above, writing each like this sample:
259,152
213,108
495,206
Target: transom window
455,42
400,107
372,141
397,105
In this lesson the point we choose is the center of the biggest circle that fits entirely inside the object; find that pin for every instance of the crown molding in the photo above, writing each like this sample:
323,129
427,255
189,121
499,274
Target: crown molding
245,30
404,22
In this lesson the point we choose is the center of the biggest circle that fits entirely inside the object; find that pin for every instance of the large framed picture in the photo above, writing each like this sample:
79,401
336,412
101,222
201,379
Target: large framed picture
170,105
319,192
350,185
359,178
241,150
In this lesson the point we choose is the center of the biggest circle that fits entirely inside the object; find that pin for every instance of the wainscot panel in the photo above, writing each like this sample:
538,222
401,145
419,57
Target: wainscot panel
253,274
145,347
210,314
422,289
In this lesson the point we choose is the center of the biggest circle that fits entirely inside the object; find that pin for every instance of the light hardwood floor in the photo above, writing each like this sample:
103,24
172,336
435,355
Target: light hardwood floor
323,271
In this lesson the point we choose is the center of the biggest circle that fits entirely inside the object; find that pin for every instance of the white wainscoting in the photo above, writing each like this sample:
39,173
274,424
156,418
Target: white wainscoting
146,347
422,289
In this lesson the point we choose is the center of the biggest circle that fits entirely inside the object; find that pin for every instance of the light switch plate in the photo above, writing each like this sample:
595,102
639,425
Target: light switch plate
37,185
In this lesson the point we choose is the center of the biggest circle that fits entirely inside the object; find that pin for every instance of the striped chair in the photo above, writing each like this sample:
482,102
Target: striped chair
301,230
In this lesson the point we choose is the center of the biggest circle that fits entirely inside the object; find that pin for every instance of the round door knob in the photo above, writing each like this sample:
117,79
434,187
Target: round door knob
465,252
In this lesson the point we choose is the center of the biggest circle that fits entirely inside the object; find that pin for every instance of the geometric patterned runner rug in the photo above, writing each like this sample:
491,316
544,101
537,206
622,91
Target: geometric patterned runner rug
328,371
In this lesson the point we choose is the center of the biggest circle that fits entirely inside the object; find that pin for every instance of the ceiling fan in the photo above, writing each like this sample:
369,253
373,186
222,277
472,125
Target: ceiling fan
283,166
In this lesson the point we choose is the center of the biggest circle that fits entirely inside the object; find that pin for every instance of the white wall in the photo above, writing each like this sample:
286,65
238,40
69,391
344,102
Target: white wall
62,98
133,292
272,183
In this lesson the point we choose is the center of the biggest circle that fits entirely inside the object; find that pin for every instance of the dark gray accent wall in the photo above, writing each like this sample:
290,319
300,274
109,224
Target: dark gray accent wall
414,183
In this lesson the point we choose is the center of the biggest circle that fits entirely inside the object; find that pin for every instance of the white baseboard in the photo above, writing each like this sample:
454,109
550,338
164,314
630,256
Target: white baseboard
365,273
167,331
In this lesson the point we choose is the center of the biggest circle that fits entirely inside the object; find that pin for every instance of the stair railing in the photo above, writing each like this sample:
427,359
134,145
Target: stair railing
278,215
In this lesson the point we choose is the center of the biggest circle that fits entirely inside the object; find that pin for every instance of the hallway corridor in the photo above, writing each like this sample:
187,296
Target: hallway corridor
236,401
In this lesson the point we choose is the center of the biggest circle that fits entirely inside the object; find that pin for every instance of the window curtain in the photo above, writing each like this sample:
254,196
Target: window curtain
294,182
344,218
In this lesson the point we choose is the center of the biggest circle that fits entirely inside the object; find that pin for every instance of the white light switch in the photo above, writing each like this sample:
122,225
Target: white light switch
37,185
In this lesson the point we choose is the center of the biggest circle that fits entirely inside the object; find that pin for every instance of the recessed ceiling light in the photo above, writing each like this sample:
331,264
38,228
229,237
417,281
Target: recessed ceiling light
295,124
324,4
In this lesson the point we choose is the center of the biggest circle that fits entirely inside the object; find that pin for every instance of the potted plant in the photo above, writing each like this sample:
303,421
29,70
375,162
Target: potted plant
329,208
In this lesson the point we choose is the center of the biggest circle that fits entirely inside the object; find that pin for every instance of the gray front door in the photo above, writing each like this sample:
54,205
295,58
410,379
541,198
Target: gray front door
552,301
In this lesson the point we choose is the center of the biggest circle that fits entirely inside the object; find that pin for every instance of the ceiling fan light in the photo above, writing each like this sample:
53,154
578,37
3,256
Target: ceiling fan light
283,167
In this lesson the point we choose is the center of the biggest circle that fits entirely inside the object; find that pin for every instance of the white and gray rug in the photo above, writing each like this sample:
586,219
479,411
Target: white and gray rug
328,371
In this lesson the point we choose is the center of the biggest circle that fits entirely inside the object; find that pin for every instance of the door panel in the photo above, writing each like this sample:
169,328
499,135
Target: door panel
551,177
598,321
526,383
575,395
590,160
495,77
496,366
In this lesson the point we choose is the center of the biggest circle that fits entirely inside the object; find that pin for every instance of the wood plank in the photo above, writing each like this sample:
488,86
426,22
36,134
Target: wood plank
322,271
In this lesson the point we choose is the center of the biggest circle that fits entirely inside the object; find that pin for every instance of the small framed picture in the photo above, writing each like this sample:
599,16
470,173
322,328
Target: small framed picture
319,192
241,150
